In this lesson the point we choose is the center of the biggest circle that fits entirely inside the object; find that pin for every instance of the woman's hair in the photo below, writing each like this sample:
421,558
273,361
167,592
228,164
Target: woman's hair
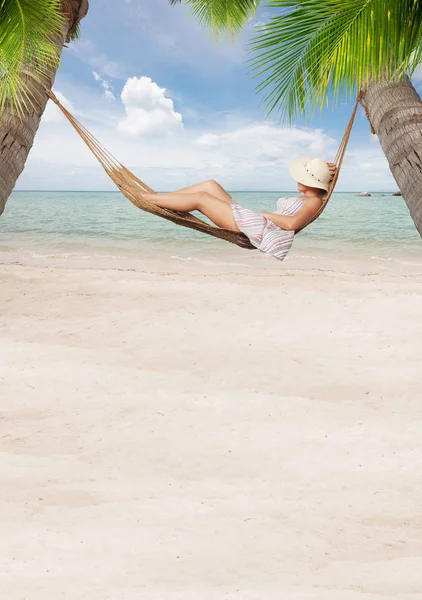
321,193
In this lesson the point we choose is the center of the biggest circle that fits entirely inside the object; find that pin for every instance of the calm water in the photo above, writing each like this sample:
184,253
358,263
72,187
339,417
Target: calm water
95,223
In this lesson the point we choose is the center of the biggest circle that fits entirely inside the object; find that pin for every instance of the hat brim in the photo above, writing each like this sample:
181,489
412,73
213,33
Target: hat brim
298,172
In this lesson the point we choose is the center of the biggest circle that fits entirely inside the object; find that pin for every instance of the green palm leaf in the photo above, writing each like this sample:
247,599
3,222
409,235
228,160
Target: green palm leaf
222,15
313,47
28,30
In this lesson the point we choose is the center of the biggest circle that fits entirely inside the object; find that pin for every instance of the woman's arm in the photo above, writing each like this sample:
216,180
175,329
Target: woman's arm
299,219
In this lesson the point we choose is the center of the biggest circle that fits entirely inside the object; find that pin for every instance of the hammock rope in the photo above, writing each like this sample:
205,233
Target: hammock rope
133,188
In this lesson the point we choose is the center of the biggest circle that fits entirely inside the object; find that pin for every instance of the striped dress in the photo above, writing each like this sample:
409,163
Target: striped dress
263,233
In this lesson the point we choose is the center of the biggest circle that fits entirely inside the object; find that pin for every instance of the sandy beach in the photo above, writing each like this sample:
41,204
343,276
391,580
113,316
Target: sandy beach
178,431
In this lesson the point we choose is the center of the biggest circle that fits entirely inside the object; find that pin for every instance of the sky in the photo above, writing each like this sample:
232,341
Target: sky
177,107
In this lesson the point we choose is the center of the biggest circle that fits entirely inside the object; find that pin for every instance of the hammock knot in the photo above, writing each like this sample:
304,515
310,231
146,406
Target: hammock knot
365,108
53,97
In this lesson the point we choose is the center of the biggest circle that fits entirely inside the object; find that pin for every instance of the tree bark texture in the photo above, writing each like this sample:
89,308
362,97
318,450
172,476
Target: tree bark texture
395,110
17,132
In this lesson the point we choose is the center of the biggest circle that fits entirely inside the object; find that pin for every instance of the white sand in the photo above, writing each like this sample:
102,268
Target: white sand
210,435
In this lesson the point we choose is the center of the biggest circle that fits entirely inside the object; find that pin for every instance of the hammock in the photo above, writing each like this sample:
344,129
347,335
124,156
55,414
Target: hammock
132,187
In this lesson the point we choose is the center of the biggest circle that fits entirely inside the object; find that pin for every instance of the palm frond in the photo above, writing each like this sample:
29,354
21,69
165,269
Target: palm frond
74,33
28,31
222,15
337,46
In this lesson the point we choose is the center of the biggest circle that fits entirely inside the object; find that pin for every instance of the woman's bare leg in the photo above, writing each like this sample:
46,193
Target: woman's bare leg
210,186
217,210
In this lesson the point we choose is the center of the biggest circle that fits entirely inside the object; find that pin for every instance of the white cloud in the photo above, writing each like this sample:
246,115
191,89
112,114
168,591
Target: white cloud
106,85
265,143
208,140
148,110
366,167
239,152
52,113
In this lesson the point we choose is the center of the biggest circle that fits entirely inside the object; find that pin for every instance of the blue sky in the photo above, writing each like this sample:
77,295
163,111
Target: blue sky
177,107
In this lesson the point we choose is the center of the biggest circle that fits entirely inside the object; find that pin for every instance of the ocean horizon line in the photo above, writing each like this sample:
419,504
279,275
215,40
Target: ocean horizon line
392,192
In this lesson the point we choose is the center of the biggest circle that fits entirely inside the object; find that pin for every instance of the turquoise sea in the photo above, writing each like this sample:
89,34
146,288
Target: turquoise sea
86,224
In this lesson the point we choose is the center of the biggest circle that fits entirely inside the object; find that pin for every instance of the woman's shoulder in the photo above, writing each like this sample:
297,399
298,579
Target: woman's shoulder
312,200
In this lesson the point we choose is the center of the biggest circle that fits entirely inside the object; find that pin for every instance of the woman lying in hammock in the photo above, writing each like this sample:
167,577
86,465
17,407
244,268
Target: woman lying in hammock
270,232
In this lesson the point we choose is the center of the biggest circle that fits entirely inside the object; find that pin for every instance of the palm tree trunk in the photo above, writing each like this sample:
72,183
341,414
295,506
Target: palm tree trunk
17,133
395,110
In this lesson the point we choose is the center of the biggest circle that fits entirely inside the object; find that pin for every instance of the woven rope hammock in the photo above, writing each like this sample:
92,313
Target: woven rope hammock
132,187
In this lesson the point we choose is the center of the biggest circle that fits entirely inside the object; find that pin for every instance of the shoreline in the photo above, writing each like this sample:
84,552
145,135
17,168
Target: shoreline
229,191
212,259
103,229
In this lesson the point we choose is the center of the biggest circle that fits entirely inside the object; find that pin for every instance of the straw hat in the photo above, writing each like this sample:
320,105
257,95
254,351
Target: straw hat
312,172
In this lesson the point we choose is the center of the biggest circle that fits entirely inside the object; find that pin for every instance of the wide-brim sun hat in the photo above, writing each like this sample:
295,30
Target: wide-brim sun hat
313,172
